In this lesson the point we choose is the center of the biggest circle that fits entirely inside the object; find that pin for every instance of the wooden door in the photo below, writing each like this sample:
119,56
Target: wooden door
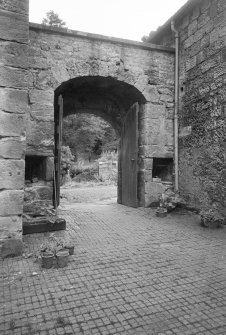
58,143
129,155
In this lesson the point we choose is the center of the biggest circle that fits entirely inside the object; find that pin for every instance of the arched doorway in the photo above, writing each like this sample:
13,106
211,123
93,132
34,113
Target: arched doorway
118,103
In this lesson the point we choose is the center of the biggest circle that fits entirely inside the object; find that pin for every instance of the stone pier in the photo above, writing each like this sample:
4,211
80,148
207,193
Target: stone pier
14,78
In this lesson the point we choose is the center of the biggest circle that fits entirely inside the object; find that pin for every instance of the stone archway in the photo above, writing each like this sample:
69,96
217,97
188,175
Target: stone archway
112,75
110,99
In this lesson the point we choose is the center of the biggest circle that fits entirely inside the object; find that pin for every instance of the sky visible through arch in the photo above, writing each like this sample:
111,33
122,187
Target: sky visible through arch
119,18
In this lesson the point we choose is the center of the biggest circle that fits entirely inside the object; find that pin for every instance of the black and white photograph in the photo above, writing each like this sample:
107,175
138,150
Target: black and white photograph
113,167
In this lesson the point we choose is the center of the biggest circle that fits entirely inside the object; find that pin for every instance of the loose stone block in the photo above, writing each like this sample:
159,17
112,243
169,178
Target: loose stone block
11,147
11,202
13,26
12,174
12,124
13,101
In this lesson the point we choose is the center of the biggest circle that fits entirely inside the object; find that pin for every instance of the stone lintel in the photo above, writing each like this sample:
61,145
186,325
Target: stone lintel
39,151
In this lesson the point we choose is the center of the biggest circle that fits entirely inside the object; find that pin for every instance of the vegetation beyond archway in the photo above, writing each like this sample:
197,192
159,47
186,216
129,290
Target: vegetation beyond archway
88,141
88,136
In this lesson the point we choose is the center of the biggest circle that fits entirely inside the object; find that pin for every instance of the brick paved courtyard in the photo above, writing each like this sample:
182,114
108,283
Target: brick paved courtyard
132,273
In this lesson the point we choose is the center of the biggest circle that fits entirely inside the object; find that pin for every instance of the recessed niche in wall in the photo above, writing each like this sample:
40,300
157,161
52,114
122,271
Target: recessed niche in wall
163,169
35,168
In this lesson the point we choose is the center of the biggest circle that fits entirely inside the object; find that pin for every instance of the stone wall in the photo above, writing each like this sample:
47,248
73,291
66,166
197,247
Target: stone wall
202,142
57,56
14,78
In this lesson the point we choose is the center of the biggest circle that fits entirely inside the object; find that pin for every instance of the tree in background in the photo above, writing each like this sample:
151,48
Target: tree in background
88,136
52,19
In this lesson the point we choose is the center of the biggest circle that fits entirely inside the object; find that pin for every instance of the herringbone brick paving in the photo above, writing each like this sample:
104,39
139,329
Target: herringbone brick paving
132,273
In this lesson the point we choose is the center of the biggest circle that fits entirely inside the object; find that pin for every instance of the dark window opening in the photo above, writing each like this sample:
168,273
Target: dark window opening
35,168
163,169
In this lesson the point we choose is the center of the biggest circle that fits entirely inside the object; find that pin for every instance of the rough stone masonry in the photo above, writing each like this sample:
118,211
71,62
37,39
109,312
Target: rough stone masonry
14,77
119,72
202,103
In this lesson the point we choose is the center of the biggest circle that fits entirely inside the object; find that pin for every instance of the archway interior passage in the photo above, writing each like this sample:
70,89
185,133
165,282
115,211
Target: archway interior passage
89,160
106,97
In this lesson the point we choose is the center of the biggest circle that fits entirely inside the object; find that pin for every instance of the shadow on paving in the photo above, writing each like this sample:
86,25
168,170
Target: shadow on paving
132,273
